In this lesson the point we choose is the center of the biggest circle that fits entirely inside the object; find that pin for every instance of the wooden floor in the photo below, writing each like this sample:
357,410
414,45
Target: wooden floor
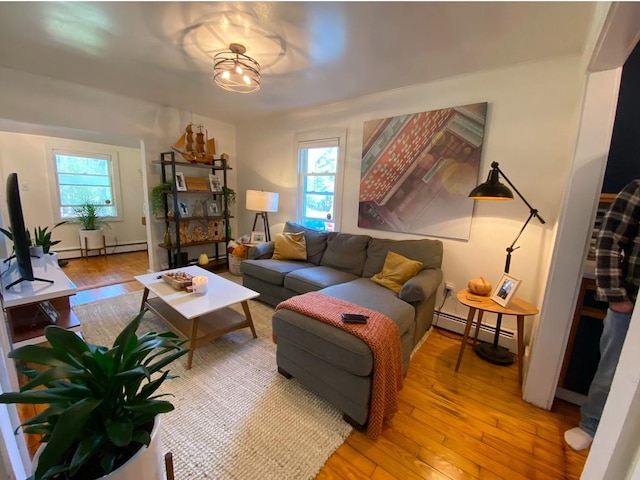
470,424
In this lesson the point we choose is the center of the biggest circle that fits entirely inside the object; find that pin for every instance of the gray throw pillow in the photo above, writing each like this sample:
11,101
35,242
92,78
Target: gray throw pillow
346,252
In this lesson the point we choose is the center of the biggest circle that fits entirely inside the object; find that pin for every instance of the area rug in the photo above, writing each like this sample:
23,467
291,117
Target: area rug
235,416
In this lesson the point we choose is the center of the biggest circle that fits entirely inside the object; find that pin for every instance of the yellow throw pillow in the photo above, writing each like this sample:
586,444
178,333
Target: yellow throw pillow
396,270
290,246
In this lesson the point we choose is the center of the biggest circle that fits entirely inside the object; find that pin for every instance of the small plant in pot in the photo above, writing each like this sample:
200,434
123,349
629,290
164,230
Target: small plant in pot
41,238
101,401
158,198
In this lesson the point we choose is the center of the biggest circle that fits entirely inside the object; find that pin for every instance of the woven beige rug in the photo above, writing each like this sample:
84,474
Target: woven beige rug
235,416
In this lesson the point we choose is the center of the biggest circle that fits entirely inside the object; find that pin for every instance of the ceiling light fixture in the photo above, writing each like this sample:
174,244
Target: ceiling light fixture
235,71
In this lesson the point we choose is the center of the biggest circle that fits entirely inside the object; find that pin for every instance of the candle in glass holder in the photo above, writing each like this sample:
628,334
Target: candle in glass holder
199,284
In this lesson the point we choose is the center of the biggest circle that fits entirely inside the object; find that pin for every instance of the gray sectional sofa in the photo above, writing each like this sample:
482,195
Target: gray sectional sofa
328,360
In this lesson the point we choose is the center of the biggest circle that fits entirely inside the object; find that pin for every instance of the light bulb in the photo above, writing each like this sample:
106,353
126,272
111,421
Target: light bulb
226,75
246,79
238,69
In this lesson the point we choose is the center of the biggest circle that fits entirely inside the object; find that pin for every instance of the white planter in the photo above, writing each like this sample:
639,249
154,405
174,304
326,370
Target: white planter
36,251
95,239
147,464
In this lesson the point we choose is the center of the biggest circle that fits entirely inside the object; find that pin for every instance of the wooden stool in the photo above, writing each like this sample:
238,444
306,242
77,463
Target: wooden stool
480,304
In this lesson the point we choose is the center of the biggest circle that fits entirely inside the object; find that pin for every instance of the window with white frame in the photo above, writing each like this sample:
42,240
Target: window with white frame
86,177
320,164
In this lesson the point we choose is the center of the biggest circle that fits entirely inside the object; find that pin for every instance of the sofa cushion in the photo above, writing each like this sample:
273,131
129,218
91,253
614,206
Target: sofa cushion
316,240
346,252
427,251
290,246
271,271
396,271
314,278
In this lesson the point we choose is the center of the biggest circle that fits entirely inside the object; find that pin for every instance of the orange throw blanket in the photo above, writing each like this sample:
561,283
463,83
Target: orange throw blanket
380,334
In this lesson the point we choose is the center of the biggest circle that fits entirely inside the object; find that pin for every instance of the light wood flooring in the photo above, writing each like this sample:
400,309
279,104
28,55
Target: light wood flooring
470,424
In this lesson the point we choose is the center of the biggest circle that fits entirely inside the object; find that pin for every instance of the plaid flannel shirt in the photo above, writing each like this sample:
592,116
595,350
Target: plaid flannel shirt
618,248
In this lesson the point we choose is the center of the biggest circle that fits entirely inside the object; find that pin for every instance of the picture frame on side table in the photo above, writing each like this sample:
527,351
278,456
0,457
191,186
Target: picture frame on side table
181,185
505,289
258,237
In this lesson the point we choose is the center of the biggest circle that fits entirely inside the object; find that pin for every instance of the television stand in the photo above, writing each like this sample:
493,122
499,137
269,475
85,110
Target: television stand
32,306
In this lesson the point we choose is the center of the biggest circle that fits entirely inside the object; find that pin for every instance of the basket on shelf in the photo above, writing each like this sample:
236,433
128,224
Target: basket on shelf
234,264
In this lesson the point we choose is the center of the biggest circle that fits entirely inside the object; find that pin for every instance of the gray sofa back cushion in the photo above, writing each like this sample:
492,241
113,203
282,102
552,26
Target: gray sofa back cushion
316,240
427,251
346,252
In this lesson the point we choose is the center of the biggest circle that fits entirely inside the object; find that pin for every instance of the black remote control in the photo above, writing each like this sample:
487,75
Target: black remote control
354,318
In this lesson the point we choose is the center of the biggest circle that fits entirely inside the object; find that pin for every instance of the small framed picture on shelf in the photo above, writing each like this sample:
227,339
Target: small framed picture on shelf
213,209
214,183
505,289
183,207
181,185
258,237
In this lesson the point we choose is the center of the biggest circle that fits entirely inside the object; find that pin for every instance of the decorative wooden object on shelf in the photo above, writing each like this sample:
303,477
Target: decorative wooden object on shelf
199,184
196,146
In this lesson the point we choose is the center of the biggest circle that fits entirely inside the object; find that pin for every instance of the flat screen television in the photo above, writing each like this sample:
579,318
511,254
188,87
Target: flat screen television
18,231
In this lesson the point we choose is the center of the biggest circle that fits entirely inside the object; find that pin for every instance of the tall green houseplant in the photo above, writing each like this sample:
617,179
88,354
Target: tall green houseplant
88,216
102,402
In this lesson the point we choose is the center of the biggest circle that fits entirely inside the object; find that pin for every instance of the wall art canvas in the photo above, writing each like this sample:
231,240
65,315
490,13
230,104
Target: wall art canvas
417,171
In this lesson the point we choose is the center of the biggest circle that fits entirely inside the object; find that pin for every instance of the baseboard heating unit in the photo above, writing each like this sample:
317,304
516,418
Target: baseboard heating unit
456,324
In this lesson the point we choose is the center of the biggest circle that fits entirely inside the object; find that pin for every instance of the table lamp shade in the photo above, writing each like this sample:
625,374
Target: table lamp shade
260,201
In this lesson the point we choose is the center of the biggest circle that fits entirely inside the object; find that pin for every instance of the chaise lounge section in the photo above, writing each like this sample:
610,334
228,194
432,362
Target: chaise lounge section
331,362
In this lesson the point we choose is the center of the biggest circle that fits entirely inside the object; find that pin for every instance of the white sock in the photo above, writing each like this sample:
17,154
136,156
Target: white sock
577,438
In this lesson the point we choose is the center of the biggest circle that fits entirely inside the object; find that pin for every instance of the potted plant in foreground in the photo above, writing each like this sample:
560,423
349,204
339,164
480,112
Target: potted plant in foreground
91,222
102,407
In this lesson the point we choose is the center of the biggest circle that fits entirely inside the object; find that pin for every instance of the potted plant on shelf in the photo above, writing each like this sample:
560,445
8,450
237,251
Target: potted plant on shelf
91,222
102,415
158,196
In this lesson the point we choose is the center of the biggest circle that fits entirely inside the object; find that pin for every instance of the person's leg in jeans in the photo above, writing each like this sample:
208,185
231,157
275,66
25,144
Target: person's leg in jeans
615,331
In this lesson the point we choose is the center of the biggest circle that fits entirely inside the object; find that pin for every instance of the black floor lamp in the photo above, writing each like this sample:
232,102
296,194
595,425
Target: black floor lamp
492,189
262,202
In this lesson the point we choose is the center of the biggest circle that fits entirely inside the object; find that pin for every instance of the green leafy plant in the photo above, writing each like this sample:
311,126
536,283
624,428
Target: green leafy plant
41,236
101,402
88,216
230,194
158,196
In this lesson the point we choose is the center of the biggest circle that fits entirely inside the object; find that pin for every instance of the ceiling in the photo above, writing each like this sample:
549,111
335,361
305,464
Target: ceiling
311,53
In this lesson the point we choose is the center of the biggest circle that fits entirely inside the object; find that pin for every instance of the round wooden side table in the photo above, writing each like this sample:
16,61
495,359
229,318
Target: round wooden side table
481,304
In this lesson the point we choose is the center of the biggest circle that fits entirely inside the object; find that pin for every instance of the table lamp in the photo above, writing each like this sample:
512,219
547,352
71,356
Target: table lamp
492,189
262,203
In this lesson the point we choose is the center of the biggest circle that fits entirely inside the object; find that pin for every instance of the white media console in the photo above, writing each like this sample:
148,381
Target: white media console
31,306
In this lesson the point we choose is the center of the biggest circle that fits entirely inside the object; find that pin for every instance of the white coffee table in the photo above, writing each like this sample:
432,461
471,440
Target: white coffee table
200,318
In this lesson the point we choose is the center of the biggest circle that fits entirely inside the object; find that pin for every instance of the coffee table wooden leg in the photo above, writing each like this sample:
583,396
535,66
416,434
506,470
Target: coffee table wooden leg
247,313
145,295
520,345
472,312
192,341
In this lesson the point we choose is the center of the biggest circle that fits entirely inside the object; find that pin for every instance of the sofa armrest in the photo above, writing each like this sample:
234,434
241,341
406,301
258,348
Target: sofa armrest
422,286
261,251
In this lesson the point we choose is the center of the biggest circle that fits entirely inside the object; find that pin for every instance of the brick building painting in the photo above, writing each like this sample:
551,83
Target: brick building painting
418,169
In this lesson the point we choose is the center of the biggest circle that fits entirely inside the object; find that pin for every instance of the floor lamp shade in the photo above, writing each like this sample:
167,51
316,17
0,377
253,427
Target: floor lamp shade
260,201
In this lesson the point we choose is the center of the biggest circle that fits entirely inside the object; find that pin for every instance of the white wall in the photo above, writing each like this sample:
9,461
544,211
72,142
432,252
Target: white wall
94,114
30,157
531,129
